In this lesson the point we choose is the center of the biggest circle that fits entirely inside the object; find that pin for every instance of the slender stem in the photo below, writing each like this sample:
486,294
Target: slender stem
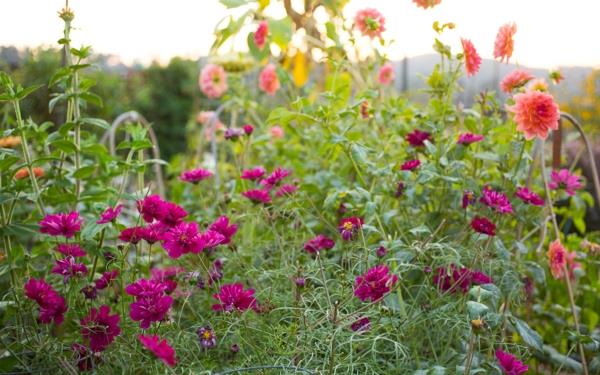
100,243
469,360
324,279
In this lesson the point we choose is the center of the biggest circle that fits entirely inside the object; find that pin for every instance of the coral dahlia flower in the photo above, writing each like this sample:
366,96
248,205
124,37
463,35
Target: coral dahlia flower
427,3
535,113
268,80
472,58
386,74
504,44
261,33
514,80
370,22
213,81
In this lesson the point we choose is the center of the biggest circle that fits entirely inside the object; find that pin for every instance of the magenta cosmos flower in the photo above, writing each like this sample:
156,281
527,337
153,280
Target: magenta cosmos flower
70,250
374,284
275,178
361,325
452,278
207,337
536,113
510,364
152,208
427,3
110,214
496,200
261,33
469,138
151,304
258,196
417,138
564,180
221,226
195,175
167,276
213,81
132,235
173,215
62,224
410,165
285,190
504,44
386,74
515,80
182,239
472,58
233,133
320,242
106,279
253,174
248,129
529,197
68,267
100,328
468,199
483,225
233,297
370,22
349,226
160,348
268,80
52,305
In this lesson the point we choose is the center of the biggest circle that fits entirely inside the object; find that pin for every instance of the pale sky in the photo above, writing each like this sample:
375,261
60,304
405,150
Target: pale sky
550,33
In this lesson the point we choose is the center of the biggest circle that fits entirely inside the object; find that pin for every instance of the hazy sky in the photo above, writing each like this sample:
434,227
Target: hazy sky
550,32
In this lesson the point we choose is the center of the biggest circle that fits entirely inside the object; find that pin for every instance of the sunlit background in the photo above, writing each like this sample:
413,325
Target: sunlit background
550,33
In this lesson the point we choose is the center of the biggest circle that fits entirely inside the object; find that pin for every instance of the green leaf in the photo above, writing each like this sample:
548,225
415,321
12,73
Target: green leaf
476,310
95,122
58,76
92,98
84,172
529,336
64,145
21,94
233,3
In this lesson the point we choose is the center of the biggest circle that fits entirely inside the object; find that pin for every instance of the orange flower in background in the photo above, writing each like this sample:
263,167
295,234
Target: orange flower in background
536,113
10,142
559,258
370,22
514,80
504,45
427,3
472,58
24,173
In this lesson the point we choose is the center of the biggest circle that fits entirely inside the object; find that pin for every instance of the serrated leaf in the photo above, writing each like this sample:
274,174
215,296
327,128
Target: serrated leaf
529,336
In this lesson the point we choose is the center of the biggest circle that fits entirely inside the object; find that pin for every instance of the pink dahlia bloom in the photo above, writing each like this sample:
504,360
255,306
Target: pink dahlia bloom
68,267
154,232
213,81
52,305
558,257
233,297
496,200
410,165
261,33
349,226
320,242
374,284
277,132
258,196
536,113
510,364
100,328
417,138
275,178
514,80
182,239
132,235
152,208
504,44
221,226
211,239
472,58
483,225
160,348
151,303
361,325
195,175
469,138
167,276
144,288
106,279
285,190
268,80
386,74
253,174
70,250
452,278
62,224
468,199
564,180
370,22
110,214
427,3
529,197
174,214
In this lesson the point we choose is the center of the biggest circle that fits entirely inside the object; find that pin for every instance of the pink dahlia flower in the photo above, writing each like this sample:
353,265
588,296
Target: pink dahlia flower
132,235
496,200
160,348
253,174
100,328
320,242
427,3
213,81
151,304
106,279
472,58
410,165
510,364
483,225
452,278
514,80
268,80
62,224
275,177
258,196
386,74
564,180
285,190
504,44
221,226
195,175
233,297
109,214
529,197
370,22
417,138
70,250
349,226
68,267
173,214
277,132
261,33
536,113
154,232
558,257
374,284
151,208
52,305
469,138
182,239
